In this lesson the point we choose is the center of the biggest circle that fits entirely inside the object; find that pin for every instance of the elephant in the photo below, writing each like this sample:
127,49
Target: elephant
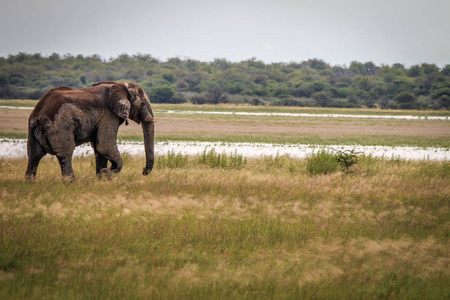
65,118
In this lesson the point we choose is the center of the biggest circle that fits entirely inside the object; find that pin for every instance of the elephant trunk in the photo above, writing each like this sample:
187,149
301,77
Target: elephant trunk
148,126
149,142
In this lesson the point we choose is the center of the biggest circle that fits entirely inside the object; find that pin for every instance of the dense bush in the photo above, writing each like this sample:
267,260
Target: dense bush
308,83
165,94
322,162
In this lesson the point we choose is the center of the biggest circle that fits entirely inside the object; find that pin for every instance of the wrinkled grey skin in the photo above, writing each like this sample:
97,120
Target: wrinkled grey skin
65,118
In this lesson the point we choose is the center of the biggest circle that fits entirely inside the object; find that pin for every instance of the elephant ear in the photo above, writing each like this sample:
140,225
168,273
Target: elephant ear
118,100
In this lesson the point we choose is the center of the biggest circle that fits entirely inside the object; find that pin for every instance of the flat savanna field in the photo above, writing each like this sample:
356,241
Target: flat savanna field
273,129
253,229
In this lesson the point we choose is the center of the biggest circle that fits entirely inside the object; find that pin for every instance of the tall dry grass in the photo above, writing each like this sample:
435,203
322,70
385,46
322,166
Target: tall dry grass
267,229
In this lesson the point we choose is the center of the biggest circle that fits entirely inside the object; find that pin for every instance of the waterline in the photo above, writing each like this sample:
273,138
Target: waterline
305,115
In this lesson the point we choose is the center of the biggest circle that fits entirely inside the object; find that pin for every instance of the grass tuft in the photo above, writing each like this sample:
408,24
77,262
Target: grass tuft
172,160
215,160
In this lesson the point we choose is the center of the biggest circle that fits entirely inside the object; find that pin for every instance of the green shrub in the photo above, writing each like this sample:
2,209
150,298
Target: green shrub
322,162
165,94
216,160
213,159
199,99
276,162
126,157
236,161
172,160
346,159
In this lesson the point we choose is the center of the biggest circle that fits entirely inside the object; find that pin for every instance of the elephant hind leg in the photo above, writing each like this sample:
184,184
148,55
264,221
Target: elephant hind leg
62,142
33,163
35,153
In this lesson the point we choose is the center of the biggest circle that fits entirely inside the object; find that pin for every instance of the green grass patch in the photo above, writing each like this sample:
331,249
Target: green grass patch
14,135
171,160
18,103
215,160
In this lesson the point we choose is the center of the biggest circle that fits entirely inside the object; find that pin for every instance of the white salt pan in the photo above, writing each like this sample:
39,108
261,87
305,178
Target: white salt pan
304,115
17,148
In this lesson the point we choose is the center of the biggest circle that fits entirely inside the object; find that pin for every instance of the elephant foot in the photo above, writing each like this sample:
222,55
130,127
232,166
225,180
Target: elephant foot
146,171
105,172
30,178
68,178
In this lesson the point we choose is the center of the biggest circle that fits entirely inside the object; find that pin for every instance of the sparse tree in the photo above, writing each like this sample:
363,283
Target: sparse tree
322,98
193,80
446,70
443,96
216,95
384,102
405,99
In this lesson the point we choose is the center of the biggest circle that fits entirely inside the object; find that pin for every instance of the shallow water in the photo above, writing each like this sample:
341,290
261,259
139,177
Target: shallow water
10,148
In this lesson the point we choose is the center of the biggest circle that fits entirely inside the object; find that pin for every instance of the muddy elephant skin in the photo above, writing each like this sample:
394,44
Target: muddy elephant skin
65,118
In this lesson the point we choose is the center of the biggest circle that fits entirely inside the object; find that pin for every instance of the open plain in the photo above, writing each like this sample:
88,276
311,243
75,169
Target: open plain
247,228
269,129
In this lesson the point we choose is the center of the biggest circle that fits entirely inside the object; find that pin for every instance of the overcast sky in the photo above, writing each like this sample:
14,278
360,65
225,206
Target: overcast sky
337,31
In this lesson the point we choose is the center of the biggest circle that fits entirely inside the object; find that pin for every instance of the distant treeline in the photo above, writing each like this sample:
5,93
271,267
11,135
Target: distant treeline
309,83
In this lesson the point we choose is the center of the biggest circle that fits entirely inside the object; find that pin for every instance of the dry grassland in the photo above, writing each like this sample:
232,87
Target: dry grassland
265,230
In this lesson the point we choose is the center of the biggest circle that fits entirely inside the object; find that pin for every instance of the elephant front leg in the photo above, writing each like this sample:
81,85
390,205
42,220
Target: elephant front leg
106,147
102,155
116,161
102,169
